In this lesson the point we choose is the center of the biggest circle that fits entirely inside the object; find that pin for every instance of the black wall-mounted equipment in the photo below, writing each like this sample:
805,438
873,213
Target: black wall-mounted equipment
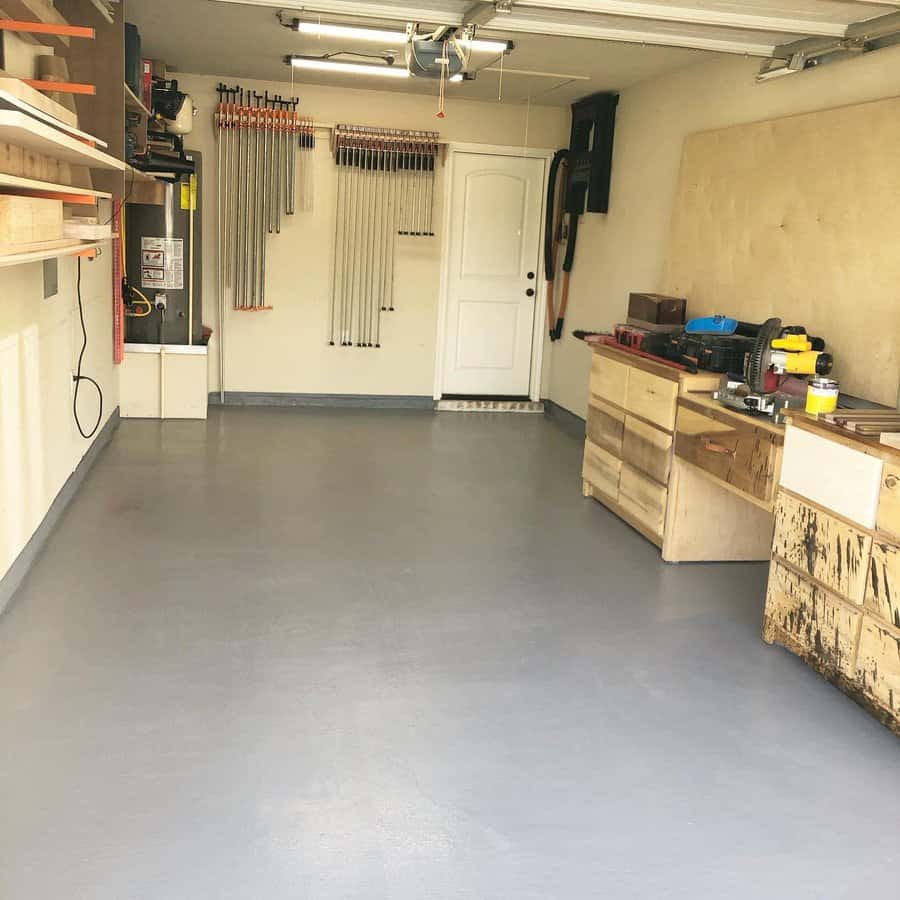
590,153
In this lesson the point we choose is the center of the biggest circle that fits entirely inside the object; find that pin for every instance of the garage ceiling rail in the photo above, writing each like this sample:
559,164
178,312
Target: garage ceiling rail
789,36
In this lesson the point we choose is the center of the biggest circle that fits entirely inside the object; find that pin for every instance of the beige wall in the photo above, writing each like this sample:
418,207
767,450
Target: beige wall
286,349
625,251
39,344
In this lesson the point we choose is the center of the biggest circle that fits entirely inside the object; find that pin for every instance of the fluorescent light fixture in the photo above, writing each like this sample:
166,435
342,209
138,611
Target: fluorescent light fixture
379,36
349,68
322,29
486,46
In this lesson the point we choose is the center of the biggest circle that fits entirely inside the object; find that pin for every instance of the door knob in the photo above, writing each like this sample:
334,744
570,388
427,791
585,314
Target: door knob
529,292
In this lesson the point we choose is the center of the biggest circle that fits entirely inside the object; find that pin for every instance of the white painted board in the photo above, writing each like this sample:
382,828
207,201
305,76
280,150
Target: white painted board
837,477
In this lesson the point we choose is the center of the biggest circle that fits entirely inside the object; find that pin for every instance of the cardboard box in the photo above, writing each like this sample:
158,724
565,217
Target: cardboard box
657,309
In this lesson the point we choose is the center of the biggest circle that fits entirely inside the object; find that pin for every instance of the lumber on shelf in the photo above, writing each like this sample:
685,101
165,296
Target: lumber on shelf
37,11
48,28
60,87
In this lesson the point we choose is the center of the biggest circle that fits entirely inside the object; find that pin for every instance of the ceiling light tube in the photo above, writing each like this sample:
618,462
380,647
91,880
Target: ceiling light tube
323,29
349,68
487,46
380,36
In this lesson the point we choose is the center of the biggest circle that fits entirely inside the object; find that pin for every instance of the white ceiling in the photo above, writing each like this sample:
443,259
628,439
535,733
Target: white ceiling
584,45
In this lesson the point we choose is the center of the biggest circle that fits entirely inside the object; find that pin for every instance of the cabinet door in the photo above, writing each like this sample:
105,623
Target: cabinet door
734,451
883,585
878,664
843,480
643,498
601,470
605,426
830,550
647,448
652,398
609,379
820,626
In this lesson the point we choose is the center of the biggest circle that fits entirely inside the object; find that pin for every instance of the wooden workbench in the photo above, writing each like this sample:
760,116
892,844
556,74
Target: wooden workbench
834,583
693,477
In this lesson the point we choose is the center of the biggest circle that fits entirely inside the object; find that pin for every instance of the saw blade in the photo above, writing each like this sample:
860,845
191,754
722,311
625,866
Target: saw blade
759,358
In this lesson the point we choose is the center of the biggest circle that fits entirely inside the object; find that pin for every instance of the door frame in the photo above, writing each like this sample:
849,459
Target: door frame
454,149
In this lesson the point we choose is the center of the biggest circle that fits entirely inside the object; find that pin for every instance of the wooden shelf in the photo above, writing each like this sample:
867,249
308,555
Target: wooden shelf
54,250
37,11
132,101
137,176
30,185
24,131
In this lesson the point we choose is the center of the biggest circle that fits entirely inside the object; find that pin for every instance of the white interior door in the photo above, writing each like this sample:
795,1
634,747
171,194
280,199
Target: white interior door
494,247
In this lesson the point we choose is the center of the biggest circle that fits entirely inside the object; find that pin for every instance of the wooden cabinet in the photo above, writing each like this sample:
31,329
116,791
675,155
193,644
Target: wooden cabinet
834,583
639,412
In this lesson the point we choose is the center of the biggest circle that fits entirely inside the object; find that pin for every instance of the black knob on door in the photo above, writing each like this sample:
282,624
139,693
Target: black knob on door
529,292
530,276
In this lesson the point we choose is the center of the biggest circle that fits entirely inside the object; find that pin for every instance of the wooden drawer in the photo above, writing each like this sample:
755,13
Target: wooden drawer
605,426
648,449
816,624
609,379
601,469
643,498
889,500
652,398
883,586
731,449
829,549
830,474
878,664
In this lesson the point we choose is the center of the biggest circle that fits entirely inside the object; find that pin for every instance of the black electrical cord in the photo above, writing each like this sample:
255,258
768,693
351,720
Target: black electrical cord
78,377
122,202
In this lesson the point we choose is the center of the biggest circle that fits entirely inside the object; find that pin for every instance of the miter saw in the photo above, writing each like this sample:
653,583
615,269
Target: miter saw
769,382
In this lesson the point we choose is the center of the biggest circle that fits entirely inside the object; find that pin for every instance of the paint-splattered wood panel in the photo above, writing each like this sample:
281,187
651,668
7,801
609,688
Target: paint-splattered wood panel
878,665
814,623
830,550
883,588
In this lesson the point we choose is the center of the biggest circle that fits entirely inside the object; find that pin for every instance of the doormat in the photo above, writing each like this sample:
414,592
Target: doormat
512,406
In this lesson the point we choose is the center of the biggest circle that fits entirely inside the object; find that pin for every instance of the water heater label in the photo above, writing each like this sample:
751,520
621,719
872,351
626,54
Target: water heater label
162,263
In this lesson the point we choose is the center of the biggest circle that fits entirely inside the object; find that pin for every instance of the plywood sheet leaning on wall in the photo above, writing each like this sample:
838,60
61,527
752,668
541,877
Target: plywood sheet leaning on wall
798,217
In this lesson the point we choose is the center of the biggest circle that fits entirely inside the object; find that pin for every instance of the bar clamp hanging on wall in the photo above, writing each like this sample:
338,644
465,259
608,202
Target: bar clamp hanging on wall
385,189
258,137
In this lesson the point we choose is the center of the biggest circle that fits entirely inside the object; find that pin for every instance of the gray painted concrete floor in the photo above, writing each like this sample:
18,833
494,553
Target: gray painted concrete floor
338,654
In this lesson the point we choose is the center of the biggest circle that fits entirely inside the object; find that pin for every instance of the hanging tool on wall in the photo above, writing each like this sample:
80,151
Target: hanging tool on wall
306,144
257,137
588,167
554,227
385,188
